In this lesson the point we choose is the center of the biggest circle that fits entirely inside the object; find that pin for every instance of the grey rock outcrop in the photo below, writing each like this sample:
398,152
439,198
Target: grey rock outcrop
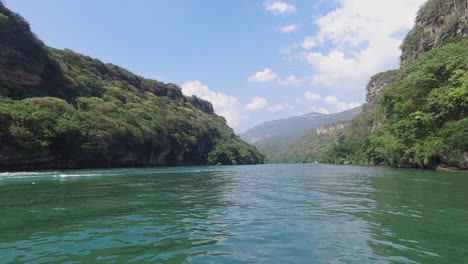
330,128
378,82
435,22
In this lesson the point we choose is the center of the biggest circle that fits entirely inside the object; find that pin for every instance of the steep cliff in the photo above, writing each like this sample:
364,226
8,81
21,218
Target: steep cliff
378,82
417,116
331,128
436,21
61,109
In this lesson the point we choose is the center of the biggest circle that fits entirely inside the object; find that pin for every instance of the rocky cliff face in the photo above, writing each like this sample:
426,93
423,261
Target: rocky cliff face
330,128
23,77
374,88
201,104
436,21
24,61
418,110
378,82
167,154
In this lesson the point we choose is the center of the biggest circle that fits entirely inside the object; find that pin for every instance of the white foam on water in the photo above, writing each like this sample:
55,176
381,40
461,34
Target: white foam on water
95,173
24,174
79,175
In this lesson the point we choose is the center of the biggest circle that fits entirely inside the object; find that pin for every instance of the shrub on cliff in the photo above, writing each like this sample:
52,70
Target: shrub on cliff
423,113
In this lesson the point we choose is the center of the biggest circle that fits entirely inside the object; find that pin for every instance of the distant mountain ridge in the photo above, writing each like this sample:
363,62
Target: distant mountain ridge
310,147
273,138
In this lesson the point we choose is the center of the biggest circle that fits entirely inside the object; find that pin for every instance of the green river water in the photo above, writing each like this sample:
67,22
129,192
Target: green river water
298,213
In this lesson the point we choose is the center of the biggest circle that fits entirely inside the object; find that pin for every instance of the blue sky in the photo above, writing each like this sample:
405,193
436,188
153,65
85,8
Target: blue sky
255,60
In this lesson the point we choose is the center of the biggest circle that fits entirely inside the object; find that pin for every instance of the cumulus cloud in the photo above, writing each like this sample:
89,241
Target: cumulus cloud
288,28
224,105
229,106
320,110
311,96
255,104
358,21
290,80
260,103
280,107
266,75
365,36
279,7
332,101
339,105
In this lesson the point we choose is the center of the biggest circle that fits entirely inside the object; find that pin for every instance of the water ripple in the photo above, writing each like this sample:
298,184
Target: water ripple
234,214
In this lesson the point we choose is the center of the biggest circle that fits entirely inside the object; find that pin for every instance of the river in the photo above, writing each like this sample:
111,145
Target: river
280,213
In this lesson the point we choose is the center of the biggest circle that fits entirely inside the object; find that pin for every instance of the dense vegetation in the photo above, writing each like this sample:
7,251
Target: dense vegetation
436,21
279,138
309,148
62,109
422,115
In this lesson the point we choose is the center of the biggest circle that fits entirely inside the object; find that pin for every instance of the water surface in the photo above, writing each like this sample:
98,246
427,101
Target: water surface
296,213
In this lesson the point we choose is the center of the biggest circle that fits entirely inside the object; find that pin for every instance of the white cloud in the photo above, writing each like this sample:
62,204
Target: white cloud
357,21
266,75
229,106
311,96
279,7
339,105
290,80
224,105
320,110
319,102
280,107
365,38
260,103
255,104
334,69
309,43
288,28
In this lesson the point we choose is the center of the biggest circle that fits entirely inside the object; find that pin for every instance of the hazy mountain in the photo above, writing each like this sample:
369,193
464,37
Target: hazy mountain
273,138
